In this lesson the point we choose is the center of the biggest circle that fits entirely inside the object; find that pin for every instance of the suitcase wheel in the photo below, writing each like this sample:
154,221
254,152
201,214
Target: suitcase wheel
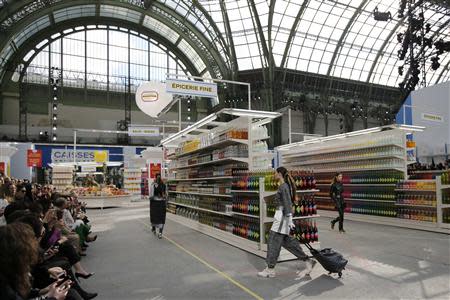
340,274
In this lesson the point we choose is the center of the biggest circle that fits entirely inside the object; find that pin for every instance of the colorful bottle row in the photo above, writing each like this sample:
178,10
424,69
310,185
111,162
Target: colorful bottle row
216,221
187,213
372,177
305,231
383,195
191,200
374,209
215,204
246,228
362,165
417,214
304,180
246,205
417,185
417,199
305,206
358,153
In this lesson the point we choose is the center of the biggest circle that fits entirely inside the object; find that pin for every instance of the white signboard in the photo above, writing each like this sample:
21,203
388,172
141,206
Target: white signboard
191,88
152,98
88,169
143,131
64,155
432,117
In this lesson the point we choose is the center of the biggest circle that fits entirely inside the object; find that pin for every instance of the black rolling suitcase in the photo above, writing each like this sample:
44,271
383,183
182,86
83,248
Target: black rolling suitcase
330,260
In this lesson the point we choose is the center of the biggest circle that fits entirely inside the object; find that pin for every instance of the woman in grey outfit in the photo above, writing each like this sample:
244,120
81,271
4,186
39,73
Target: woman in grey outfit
279,233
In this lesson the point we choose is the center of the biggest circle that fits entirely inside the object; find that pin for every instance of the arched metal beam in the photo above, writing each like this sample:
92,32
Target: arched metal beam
344,34
260,32
226,21
293,31
445,69
212,58
225,47
31,43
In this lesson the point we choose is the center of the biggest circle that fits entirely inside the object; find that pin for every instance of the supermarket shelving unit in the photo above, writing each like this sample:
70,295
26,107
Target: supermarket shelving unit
62,176
261,160
356,154
132,180
369,157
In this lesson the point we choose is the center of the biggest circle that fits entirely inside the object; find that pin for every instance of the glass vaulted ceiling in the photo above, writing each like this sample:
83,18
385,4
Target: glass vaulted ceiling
333,37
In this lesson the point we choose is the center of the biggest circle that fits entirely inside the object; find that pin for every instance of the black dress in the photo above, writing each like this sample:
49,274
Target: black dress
158,204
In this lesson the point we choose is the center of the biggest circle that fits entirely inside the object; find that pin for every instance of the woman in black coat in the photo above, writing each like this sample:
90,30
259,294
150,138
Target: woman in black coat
158,196
336,190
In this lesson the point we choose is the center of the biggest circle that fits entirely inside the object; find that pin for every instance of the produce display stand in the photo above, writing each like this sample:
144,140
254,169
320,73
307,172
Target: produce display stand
106,201
204,202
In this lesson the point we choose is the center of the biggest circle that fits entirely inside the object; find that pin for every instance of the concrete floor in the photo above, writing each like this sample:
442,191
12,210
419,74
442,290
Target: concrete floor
384,263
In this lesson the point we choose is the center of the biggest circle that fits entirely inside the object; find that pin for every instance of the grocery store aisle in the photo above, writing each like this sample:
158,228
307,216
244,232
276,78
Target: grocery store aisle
385,262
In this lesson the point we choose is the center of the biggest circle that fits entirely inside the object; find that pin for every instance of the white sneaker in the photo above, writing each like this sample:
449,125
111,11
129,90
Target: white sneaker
267,273
310,263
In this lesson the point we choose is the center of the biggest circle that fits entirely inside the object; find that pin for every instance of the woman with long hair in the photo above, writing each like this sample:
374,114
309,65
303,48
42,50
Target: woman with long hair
158,196
279,235
19,249
336,190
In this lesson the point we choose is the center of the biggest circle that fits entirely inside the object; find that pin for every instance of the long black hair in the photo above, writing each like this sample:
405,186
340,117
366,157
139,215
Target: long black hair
160,188
289,180
335,177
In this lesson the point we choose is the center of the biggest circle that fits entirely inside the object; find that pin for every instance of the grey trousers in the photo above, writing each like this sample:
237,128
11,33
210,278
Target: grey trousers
278,240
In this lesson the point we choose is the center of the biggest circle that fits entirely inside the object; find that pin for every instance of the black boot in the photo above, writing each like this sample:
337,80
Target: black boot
76,286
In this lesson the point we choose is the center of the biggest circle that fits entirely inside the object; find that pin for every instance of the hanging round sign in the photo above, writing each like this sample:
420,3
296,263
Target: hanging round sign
152,98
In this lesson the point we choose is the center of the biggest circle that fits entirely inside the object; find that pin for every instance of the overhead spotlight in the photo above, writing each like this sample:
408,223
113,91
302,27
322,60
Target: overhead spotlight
54,137
381,16
55,87
55,107
401,10
189,118
55,98
55,117
147,3
54,127
189,109
41,133
442,46
435,63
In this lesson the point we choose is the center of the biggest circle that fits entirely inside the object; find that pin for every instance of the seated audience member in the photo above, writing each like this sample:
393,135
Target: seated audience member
78,226
19,251
55,260
10,192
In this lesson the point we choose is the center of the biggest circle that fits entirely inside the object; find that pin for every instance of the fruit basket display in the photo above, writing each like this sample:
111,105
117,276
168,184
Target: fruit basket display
107,191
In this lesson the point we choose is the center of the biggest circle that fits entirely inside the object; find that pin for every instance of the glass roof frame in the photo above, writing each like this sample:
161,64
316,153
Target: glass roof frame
337,38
